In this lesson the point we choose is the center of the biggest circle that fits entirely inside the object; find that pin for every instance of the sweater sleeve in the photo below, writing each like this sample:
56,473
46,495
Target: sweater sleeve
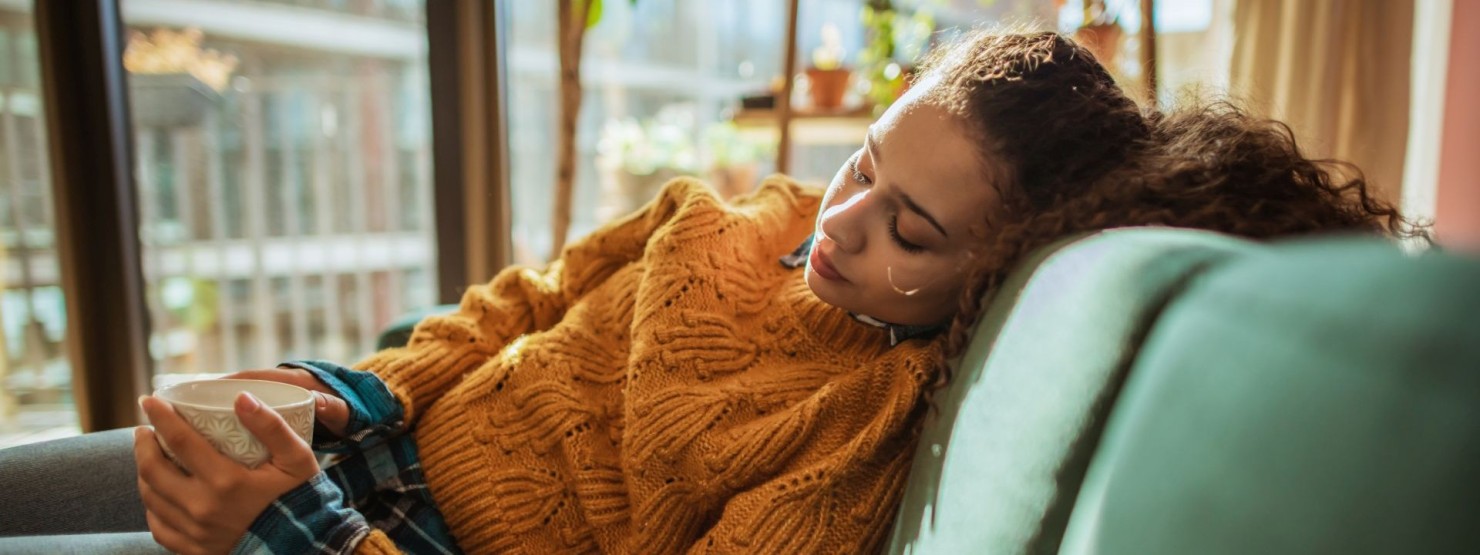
519,301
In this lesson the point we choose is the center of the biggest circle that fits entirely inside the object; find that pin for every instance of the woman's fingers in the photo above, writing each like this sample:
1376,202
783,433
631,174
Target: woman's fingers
260,374
286,450
207,512
193,451
168,537
288,375
293,376
332,412
170,513
329,409
155,468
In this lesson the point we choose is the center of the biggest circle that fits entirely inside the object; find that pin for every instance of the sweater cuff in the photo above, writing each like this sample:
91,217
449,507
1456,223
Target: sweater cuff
311,518
373,409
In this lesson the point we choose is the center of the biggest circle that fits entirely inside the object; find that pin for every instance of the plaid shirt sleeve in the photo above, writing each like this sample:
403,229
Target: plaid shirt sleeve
312,518
373,410
376,484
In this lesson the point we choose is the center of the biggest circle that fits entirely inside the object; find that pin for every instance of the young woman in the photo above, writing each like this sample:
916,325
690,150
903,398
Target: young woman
690,379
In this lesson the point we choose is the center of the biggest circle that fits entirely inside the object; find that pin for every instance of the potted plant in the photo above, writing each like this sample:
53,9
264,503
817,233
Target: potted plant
733,158
892,35
637,157
1101,32
827,77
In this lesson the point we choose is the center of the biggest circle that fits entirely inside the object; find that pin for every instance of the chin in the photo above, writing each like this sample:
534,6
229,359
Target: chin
824,289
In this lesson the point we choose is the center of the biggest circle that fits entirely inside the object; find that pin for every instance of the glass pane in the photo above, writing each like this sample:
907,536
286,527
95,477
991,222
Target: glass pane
1194,47
658,75
35,375
686,88
284,177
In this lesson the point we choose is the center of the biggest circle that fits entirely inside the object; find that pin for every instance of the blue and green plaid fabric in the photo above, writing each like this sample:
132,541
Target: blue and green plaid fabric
376,482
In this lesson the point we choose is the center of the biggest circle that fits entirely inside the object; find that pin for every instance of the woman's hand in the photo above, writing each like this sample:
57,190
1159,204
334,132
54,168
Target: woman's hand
329,410
208,510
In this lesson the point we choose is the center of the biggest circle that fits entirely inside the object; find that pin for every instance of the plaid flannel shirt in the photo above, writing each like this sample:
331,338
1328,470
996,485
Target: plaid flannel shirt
376,483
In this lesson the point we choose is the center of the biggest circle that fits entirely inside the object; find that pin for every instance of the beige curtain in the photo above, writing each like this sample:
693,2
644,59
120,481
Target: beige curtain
1337,71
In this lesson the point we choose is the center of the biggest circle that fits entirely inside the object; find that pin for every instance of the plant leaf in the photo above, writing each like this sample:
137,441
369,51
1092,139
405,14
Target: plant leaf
593,13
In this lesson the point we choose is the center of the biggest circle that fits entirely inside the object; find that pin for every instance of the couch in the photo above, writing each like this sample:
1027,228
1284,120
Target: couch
1161,391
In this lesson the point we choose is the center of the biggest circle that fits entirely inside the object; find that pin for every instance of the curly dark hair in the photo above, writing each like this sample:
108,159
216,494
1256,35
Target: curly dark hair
1079,155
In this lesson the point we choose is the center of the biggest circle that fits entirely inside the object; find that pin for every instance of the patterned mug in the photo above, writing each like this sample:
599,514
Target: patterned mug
208,406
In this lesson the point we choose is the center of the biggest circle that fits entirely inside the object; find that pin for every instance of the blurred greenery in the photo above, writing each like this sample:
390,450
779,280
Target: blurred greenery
897,36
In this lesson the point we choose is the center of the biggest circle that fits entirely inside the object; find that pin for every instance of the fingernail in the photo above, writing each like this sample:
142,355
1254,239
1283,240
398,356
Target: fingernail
319,401
249,402
141,400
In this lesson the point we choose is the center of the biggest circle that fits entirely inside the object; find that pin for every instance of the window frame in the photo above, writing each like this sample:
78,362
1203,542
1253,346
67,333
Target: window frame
470,174
85,93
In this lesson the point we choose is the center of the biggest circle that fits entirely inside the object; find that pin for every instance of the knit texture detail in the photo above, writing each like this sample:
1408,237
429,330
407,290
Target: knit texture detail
664,387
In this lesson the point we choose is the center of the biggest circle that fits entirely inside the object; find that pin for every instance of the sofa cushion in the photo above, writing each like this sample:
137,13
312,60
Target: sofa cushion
398,333
999,463
1320,397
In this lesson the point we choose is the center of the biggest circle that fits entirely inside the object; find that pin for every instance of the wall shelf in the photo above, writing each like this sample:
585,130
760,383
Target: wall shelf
835,127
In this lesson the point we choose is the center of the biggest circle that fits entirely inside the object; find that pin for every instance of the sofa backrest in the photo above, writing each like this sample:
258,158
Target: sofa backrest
1000,463
1319,397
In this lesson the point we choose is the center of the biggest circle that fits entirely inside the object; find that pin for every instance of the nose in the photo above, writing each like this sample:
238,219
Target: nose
841,222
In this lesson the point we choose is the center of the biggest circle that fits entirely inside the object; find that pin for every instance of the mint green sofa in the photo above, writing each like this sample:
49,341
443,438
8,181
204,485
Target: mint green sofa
1158,391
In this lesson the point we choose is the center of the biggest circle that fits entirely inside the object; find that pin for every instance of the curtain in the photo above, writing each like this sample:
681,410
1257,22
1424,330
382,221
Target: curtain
1336,71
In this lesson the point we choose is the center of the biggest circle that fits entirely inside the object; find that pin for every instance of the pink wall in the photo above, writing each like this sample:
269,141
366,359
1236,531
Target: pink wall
1457,214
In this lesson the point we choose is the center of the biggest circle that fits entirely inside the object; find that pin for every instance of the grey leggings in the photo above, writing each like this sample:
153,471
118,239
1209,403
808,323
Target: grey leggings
73,495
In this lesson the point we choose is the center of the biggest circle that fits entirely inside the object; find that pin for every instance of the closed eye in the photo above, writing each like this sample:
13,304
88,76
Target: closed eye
899,239
858,175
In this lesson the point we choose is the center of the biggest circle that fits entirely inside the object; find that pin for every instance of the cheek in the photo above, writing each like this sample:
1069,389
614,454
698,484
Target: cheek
939,304
943,294
916,294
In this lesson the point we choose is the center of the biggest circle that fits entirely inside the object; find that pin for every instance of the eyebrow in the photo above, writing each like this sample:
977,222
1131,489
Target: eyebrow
873,150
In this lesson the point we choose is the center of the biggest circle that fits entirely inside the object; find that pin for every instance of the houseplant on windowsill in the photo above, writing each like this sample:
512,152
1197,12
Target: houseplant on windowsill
733,158
635,158
1101,32
827,78
896,37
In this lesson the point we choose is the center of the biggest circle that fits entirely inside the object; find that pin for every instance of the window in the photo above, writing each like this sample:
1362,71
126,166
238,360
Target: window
35,376
283,161
663,83
657,76
282,154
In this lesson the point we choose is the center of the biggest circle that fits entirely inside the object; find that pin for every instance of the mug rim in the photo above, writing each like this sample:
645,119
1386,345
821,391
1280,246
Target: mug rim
307,400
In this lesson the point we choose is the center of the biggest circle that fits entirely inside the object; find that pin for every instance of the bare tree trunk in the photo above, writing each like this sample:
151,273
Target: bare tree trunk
572,31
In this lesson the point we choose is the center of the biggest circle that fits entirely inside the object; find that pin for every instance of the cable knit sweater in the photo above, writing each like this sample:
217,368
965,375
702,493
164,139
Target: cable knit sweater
665,387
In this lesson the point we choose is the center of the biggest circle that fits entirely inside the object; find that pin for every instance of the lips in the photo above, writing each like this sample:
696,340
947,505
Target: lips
824,267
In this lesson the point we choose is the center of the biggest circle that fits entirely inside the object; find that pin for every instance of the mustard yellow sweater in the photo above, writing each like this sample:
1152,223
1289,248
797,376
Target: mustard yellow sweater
665,387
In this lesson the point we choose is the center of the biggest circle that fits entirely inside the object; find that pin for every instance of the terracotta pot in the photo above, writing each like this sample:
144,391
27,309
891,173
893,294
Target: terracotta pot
907,79
828,86
629,191
731,181
1102,39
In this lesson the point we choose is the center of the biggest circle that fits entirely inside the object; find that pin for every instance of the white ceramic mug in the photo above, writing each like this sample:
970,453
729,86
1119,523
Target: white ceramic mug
208,405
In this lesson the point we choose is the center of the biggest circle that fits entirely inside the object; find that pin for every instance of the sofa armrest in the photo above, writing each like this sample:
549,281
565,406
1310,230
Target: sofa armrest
398,333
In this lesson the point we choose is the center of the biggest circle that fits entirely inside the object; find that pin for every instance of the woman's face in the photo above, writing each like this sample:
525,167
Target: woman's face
899,219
